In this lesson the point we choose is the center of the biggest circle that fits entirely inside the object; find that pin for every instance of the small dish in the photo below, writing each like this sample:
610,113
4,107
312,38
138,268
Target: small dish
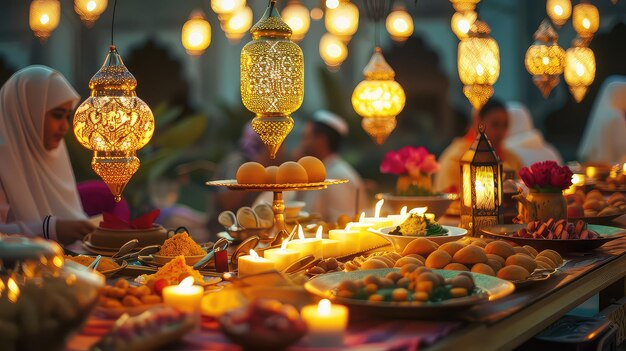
399,242
293,208
112,272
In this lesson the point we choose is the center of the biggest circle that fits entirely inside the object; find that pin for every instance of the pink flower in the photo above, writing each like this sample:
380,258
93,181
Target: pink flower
430,164
392,163
527,177
546,175
413,161
561,177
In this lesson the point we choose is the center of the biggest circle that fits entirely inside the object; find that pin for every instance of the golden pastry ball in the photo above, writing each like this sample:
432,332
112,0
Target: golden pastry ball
251,173
315,168
291,172
270,174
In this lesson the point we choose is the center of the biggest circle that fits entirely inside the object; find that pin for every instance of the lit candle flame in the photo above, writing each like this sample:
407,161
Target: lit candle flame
348,226
283,246
419,211
403,211
479,186
318,234
187,282
379,206
558,10
14,290
57,261
362,218
253,254
323,307
300,232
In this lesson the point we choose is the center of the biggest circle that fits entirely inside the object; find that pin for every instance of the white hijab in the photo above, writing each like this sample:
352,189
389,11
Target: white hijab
37,182
604,139
524,140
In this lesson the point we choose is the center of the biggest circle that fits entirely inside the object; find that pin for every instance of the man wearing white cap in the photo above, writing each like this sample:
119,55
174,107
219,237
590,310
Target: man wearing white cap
322,137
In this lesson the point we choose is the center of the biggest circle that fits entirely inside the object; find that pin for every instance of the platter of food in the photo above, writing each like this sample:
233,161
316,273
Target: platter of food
387,292
594,208
232,184
561,236
106,267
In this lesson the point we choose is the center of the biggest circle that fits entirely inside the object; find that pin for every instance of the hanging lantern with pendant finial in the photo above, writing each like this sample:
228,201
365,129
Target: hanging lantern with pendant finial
44,17
90,10
580,68
272,78
464,5
378,98
478,64
559,11
545,59
586,20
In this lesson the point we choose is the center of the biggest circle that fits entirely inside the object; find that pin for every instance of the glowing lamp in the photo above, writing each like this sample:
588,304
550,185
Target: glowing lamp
89,10
464,5
196,34
225,8
586,20
545,59
297,18
237,24
580,68
378,98
559,11
343,20
481,185
44,17
272,78
462,22
114,123
332,50
399,24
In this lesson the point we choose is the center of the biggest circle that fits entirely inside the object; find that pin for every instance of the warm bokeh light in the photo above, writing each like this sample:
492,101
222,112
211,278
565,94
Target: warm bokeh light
227,7
44,17
196,33
580,69
317,14
238,24
342,21
298,18
90,10
545,59
586,20
399,24
462,22
332,4
332,50
464,5
559,11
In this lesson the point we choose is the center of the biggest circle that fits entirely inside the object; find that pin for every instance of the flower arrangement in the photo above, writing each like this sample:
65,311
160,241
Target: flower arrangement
546,177
414,166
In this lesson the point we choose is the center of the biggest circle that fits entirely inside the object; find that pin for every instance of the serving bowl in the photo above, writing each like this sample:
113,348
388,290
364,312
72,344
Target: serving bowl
293,208
115,238
437,204
399,242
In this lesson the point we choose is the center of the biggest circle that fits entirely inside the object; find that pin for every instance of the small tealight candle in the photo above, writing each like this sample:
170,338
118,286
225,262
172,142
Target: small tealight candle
326,322
253,264
306,246
360,226
185,296
377,221
330,247
349,240
282,257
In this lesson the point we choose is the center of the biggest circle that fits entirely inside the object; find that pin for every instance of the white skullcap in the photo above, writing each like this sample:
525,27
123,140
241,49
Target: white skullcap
332,120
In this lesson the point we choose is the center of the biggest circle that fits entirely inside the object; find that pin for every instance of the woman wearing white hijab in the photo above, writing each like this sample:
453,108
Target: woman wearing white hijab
38,195
605,135
526,142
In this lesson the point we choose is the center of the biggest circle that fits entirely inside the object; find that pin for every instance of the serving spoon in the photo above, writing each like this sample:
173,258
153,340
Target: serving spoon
221,244
126,248
145,251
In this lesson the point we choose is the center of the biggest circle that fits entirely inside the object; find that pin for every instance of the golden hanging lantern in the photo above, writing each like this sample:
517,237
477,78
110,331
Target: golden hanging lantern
399,24
580,68
298,18
378,98
89,10
559,11
545,59
225,8
196,33
462,22
332,50
272,78
478,64
114,123
44,17
586,20
237,24
343,20
464,5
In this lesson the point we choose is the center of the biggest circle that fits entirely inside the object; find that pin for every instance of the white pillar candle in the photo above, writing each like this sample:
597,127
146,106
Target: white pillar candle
282,256
349,240
306,246
330,247
326,322
185,296
253,264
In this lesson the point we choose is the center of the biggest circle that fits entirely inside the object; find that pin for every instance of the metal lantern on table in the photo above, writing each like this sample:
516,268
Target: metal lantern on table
44,16
90,10
196,33
378,98
545,59
580,68
114,123
481,185
272,78
343,20
559,11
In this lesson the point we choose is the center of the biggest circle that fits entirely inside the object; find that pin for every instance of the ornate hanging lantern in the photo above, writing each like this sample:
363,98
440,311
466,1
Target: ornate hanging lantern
225,8
378,98
545,59
90,10
196,33
114,123
332,50
237,24
399,24
343,20
298,18
272,78
462,22
580,68
559,11
464,5
481,186
478,64
44,17
586,20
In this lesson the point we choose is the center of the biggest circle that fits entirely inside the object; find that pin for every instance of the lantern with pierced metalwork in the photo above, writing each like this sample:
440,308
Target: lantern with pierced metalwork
196,33
559,11
545,59
90,10
399,24
298,18
462,22
580,68
464,5
44,17
586,19
343,20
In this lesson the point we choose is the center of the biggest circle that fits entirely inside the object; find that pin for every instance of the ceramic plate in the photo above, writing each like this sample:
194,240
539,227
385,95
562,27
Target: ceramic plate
504,231
597,219
399,242
489,289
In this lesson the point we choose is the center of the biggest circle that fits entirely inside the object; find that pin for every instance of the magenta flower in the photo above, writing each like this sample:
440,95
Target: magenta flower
413,161
546,175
